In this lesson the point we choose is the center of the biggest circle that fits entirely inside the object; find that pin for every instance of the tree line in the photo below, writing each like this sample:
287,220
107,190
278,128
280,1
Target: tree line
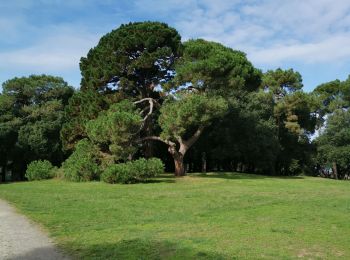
197,105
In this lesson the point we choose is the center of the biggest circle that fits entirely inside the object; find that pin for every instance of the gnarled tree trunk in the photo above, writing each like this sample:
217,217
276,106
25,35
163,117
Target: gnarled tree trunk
179,166
178,155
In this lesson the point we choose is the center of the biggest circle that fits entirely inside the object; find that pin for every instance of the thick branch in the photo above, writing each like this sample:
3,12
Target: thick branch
188,143
157,138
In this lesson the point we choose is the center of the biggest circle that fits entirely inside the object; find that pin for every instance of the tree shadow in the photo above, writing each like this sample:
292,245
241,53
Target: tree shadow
124,249
145,249
160,181
240,176
43,253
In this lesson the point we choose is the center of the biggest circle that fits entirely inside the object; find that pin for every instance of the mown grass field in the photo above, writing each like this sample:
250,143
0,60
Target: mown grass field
219,216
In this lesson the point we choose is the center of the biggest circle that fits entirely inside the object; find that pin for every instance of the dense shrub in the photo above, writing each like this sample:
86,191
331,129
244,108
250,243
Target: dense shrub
82,164
133,172
154,167
39,170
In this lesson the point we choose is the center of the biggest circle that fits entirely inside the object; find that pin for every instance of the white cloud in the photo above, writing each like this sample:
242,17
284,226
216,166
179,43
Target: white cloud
59,50
335,49
272,32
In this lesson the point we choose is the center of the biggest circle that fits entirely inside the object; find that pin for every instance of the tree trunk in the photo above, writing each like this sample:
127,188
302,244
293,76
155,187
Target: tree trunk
178,155
179,165
335,170
148,149
204,162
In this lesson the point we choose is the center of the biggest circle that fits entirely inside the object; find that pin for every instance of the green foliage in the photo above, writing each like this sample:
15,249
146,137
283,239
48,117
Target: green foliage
295,115
154,167
295,112
187,112
41,132
210,66
134,58
133,171
39,170
334,142
37,89
246,138
282,82
82,165
114,130
332,96
82,107
31,116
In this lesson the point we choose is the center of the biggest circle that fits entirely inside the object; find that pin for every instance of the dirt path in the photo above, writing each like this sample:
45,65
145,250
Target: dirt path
21,239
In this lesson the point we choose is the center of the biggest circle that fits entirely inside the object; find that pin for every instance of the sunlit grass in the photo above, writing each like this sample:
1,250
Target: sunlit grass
210,216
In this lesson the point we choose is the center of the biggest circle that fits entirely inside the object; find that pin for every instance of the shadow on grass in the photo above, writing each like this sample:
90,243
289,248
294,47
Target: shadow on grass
160,181
144,249
240,176
162,178
39,254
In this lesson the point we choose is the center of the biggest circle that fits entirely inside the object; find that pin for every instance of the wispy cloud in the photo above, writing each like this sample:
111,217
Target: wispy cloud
60,50
274,31
335,49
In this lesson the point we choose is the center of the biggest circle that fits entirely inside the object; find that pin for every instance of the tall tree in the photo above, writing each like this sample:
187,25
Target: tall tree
295,118
31,118
129,62
209,77
333,142
245,139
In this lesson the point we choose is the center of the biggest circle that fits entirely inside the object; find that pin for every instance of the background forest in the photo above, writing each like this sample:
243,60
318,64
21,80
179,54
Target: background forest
195,105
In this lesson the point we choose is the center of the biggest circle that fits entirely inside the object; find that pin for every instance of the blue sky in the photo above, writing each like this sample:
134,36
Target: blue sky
50,36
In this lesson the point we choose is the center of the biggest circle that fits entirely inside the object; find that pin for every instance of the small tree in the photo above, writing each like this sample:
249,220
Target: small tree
83,164
114,131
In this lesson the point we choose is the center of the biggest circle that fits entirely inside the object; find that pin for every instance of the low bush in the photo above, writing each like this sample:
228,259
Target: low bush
39,170
82,164
133,172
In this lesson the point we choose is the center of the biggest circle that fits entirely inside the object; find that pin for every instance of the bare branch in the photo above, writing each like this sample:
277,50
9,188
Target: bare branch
145,99
151,102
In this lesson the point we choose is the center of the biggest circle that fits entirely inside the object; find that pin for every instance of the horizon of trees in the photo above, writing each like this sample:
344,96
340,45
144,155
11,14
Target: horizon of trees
196,105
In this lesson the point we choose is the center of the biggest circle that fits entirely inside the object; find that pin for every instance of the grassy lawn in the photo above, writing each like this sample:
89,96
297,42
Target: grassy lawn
218,216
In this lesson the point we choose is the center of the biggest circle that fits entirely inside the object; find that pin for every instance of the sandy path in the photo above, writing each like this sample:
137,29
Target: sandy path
21,239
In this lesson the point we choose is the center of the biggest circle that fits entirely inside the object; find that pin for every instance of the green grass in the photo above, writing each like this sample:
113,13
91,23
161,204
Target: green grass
219,216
